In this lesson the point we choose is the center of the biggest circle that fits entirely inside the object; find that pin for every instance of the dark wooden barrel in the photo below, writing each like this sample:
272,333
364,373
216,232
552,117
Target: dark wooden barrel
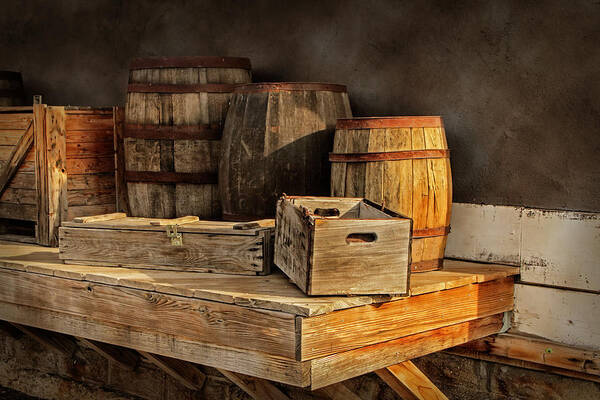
276,140
403,163
174,118
11,89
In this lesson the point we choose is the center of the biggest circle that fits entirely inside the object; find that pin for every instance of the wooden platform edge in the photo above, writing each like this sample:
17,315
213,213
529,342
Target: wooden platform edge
534,353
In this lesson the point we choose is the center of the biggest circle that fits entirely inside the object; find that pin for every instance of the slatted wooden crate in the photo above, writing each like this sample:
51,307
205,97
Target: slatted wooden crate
333,246
56,163
178,244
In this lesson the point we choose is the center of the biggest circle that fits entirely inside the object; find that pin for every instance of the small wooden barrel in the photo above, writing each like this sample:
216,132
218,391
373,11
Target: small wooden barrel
275,141
403,163
175,112
11,89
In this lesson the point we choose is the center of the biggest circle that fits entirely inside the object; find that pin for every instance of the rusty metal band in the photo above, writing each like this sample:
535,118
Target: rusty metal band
432,232
170,177
150,132
11,75
189,88
389,156
390,122
190,62
427,265
289,86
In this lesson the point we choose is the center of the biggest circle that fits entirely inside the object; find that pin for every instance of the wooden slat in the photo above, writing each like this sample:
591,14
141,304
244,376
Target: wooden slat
90,165
258,389
17,155
82,211
120,182
23,180
89,121
409,382
21,212
91,197
15,121
51,340
184,372
57,176
89,149
124,358
220,324
362,326
101,217
41,170
10,137
174,221
98,136
97,182
19,196
538,351
564,316
346,365
233,359
338,391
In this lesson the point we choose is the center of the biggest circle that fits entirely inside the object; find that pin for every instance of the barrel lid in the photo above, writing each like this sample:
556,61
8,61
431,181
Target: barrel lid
390,122
10,75
190,62
289,86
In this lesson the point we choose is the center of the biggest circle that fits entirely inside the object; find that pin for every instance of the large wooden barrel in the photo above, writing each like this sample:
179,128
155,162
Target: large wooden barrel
175,112
276,140
403,163
11,89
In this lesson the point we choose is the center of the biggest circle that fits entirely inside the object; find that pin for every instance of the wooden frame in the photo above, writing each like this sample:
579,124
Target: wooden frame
59,163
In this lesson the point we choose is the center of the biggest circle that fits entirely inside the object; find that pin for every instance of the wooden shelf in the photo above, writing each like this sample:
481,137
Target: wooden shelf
262,326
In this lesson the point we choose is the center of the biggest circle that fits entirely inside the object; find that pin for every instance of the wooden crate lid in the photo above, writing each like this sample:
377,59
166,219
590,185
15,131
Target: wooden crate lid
189,224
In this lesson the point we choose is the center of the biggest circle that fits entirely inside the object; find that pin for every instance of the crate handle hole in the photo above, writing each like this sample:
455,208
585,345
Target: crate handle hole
327,212
361,238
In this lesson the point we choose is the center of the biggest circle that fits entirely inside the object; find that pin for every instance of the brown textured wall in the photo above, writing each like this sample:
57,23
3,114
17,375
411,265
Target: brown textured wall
518,82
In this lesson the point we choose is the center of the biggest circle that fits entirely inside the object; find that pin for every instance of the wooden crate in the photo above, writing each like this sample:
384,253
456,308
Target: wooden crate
56,163
179,244
332,246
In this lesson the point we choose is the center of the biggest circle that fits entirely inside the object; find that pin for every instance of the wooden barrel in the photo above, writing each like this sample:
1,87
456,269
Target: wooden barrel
276,140
11,89
174,118
403,163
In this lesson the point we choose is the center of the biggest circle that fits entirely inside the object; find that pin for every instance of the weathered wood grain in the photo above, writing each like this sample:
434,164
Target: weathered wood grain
56,170
17,155
366,325
418,186
276,141
187,374
409,382
341,366
210,322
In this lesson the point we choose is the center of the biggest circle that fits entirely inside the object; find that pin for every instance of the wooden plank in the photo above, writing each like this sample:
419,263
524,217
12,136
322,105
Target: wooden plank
93,165
89,121
174,221
120,182
18,153
485,233
97,182
10,137
91,197
98,136
19,196
15,121
41,171
220,324
362,326
89,149
564,316
154,341
57,176
23,180
341,366
101,217
124,358
539,351
21,212
51,340
561,248
82,211
409,382
258,389
338,391
460,351
184,372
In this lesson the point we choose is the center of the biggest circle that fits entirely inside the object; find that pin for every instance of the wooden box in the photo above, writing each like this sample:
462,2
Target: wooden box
331,246
56,163
178,244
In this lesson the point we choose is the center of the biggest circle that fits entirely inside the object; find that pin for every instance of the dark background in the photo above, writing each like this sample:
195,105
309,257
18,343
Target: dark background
517,82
